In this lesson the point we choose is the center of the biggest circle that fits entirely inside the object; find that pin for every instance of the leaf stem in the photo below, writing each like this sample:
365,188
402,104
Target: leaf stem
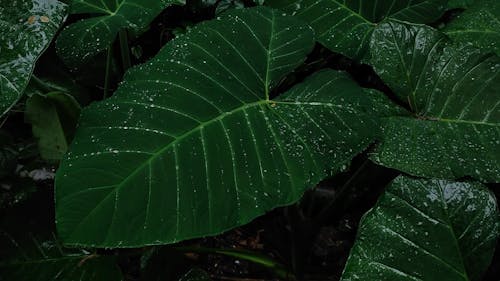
250,256
42,85
124,49
324,213
107,77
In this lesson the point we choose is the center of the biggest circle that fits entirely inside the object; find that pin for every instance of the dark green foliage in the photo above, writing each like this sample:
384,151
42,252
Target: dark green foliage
165,121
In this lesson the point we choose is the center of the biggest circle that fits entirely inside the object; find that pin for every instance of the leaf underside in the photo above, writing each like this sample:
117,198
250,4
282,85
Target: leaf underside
27,29
190,145
453,92
426,230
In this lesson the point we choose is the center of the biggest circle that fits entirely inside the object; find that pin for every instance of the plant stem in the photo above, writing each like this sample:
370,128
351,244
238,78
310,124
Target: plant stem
107,77
3,121
323,215
124,49
42,85
294,219
250,256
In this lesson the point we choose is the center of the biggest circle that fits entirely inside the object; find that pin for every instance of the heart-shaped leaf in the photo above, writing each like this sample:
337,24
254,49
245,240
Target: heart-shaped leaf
453,92
27,29
345,26
84,39
29,249
191,145
479,25
432,230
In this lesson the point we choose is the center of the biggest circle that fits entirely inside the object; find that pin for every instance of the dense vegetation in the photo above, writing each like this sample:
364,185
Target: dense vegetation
223,140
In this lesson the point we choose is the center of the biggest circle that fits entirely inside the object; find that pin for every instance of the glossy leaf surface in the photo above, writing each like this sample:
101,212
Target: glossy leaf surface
190,145
29,249
479,25
26,29
84,39
452,90
432,230
345,26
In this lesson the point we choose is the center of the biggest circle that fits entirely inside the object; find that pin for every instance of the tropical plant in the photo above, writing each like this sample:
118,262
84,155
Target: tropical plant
241,113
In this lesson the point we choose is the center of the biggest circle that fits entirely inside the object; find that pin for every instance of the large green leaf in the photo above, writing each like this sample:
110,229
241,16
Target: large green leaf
453,4
191,145
432,230
29,249
345,26
84,39
479,25
27,27
453,92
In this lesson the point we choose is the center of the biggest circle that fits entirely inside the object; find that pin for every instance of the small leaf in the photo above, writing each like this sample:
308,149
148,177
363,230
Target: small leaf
479,25
84,39
345,26
27,29
432,230
452,90
53,118
190,145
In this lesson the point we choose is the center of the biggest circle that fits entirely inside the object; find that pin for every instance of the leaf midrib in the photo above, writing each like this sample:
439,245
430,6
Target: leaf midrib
445,120
356,14
266,85
469,122
185,135
473,30
452,231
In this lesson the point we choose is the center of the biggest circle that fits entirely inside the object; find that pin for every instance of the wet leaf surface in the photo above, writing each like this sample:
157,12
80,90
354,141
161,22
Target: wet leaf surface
191,145
84,39
27,29
479,25
452,90
345,26
426,230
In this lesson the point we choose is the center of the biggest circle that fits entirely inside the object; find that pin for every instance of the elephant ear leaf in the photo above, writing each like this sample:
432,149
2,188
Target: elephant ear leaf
345,26
433,230
84,39
27,29
452,90
191,144
479,25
